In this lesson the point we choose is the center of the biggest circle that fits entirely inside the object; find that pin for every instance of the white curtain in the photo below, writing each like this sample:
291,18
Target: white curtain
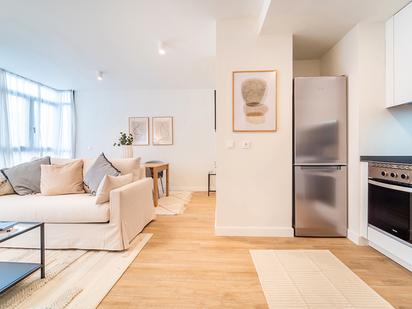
35,120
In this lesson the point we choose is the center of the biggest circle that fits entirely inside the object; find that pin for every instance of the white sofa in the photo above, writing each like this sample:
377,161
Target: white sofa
74,221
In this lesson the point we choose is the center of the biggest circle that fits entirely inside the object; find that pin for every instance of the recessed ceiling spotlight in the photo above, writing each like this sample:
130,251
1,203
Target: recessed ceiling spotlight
99,75
161,49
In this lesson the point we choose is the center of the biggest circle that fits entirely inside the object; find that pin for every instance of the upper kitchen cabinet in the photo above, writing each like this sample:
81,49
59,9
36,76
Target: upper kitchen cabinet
399,58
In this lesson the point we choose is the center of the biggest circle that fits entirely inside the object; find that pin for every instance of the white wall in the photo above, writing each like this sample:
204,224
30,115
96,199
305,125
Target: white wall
254,186
343,59
101,115
382,131
302,68
361,53
372,129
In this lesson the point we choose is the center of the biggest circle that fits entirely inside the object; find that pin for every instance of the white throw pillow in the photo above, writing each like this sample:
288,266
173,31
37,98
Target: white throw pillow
110,183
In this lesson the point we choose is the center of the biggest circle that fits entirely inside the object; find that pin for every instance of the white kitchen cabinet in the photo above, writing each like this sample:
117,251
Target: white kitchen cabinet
389,96
399,58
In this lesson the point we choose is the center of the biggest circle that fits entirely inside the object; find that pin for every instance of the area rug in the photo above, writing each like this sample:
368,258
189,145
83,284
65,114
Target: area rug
74,278
311,279
174,204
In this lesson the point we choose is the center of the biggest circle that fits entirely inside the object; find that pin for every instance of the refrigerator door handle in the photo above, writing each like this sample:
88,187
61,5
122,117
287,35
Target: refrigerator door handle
320,164
321,167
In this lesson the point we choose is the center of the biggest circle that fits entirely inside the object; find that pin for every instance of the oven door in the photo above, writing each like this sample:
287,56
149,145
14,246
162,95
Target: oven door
389,208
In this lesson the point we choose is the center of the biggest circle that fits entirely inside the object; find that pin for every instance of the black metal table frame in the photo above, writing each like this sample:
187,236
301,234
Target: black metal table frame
42,264
208,183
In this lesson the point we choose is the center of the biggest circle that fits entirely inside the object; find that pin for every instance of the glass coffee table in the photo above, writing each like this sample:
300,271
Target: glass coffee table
13,272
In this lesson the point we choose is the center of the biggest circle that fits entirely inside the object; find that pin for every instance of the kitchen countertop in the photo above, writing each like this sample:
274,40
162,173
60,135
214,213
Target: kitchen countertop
391,159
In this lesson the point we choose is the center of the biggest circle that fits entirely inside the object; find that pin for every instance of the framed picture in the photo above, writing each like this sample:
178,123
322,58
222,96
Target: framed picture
162,130
214,106
139,128
254,95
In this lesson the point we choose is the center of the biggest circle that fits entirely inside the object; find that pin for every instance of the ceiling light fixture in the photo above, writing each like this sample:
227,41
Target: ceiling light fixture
99,75
161,49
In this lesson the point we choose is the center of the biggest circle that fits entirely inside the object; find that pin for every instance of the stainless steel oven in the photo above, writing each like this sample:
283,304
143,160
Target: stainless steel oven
390,199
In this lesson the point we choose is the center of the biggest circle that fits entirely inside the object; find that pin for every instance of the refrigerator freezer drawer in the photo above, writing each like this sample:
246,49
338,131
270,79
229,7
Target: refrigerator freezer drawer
320,201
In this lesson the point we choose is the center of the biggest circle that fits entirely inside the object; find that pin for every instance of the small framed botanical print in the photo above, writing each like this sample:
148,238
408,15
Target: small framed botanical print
139,128
254,101
162,130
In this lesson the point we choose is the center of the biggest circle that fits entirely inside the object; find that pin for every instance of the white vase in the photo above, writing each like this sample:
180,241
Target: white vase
127,151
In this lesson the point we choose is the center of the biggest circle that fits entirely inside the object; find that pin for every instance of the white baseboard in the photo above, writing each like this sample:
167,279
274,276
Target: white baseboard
188,188
357,239
254,231
353,237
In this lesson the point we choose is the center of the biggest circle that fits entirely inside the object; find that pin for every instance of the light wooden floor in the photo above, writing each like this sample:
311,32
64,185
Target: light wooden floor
185,266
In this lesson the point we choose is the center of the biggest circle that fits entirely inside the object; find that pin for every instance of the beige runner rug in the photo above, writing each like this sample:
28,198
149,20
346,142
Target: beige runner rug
312,279
174,204
74,278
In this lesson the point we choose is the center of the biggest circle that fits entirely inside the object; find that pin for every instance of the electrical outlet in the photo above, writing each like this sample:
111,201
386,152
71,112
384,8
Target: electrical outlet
245,144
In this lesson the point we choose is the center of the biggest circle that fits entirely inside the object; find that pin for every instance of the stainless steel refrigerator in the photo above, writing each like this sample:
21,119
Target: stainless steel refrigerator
320,156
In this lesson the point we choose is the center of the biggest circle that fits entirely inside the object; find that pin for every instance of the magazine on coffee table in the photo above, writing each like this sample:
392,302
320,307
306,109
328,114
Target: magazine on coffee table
6,225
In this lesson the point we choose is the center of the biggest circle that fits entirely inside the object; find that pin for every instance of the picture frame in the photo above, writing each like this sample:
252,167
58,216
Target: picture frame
214,107
162,131
139,127
254,101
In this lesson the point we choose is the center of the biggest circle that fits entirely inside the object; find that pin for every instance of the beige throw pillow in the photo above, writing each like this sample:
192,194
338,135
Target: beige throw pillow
126,166
62,179
110,183
5,187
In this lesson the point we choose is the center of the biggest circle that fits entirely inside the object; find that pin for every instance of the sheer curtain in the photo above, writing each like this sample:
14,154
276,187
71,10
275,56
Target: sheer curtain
35,120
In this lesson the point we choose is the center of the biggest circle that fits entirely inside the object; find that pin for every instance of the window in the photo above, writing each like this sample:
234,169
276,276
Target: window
35,120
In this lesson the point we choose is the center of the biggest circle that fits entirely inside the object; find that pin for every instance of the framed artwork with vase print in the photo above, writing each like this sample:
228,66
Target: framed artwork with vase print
254,95
162,130
139,128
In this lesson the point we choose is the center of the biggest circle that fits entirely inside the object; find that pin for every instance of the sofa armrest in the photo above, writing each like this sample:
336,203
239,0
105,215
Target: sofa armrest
133,206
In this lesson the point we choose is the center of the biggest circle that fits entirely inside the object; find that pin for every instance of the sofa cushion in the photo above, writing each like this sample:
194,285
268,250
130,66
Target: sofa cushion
73,208
97,171
127,166
62,161
25,177
110,183
62,179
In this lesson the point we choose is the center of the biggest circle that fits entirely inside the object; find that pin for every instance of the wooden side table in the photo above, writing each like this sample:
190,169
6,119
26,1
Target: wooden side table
155,168
208,183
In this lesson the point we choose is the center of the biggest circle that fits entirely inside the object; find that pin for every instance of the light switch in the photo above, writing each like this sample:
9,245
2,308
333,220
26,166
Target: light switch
230,144
245,144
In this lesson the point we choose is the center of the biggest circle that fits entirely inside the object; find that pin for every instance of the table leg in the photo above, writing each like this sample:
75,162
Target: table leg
42,253
155,186
208,184
167,181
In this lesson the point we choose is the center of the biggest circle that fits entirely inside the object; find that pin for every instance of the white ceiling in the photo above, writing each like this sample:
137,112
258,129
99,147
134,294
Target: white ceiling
318,24
63,43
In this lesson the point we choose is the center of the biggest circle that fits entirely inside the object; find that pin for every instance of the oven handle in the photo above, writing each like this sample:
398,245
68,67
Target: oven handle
389,186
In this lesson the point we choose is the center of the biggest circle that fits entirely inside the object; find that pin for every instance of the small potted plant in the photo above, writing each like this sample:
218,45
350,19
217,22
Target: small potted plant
125,142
